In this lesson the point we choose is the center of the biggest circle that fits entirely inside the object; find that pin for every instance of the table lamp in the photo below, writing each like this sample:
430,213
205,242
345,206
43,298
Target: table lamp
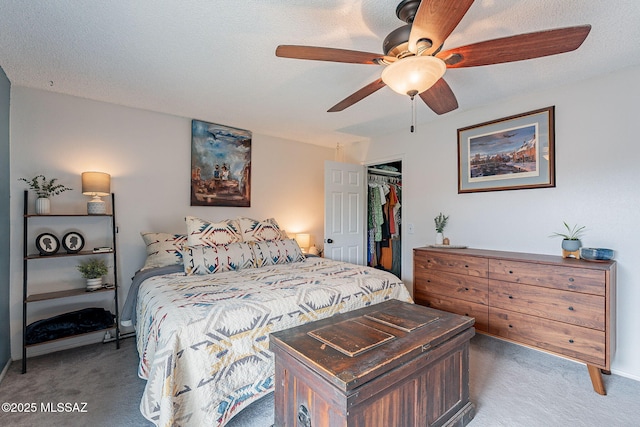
96,184
303,240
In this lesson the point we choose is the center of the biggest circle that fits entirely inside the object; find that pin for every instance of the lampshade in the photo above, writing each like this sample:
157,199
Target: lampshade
303,240
96,184
414,74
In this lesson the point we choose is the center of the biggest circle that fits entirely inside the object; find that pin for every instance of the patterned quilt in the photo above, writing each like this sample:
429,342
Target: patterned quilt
203,340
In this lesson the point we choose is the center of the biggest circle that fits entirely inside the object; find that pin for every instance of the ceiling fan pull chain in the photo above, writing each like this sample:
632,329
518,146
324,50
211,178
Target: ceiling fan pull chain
412,94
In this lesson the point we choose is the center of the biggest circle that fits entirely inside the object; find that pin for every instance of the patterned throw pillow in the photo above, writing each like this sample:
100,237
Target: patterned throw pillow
203,259
276,252
260,231
163,249
203,232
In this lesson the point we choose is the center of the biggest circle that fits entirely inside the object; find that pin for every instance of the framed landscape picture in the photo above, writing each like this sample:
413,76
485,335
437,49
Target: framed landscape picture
220,165
511,153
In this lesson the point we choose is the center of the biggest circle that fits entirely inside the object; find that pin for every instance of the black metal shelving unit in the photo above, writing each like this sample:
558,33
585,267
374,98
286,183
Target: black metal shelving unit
69,293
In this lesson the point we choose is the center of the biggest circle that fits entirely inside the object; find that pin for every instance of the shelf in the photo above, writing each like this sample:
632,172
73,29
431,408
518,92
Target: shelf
78,219
71,336
63,294
59,255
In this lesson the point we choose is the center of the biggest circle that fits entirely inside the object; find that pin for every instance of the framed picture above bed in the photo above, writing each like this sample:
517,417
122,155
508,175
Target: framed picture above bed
511,153
220,165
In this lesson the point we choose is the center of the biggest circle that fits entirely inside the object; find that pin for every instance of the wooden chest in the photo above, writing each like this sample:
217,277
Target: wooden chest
560,305
390,364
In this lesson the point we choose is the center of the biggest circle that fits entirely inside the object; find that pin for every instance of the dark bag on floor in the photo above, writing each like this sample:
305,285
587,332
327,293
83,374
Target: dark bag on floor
68,324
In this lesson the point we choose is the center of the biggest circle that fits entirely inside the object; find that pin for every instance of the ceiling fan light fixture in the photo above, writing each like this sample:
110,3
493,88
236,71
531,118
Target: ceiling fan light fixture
414,74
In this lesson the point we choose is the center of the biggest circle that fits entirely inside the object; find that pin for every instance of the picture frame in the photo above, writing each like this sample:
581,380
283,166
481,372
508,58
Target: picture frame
511,153
47,244
73,242
220,165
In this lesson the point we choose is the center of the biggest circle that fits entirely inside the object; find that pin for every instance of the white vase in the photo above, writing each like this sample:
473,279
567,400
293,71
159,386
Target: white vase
439,238
43,206
94,284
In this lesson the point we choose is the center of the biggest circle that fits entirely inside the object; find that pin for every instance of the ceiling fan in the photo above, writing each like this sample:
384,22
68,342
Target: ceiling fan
415,62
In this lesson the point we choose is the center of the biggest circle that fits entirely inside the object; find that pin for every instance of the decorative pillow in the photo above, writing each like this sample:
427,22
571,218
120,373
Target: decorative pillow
203,259
260,231
203,232
163,249
276,252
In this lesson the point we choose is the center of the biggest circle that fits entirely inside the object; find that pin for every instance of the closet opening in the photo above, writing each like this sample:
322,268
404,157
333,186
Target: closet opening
384,194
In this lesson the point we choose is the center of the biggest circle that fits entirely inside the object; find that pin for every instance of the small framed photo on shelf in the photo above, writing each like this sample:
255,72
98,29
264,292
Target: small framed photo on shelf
73,242
47,244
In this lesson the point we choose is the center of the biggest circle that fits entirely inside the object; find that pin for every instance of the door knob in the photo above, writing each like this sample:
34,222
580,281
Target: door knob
329,241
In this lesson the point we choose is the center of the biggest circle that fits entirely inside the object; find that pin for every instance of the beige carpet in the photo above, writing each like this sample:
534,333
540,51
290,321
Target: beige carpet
510,385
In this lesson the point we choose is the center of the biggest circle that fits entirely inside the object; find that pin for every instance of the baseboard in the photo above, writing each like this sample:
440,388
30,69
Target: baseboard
4,370
625,374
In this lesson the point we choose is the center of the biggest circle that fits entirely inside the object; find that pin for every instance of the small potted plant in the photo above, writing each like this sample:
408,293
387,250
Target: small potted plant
441,223
44,189
93,270
571,238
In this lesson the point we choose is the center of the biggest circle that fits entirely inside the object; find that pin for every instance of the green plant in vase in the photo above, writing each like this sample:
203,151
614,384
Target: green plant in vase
93,270
570,238
44,189
441,223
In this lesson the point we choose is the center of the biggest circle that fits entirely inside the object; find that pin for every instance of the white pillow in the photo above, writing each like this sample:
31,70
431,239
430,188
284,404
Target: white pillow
203,259
276,252
203,232
163,249
260,231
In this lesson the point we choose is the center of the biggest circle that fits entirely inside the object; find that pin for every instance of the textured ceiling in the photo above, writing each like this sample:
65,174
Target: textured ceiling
215,60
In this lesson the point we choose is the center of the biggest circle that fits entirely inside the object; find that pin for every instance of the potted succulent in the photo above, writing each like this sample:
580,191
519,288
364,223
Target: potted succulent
93,270
44,189
571,238
441,223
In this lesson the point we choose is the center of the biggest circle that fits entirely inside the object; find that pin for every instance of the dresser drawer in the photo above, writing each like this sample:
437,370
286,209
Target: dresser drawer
584,344
468,288
459,264
549,276
568,307
464,308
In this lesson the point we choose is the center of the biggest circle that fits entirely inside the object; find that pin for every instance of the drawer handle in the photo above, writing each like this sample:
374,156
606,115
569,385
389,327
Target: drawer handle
571,341
511,326
466,266
510,297
571,279
510,271
570,308
466,289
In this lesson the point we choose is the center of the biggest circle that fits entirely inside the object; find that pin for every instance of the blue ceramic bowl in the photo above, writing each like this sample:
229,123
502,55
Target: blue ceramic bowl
596,254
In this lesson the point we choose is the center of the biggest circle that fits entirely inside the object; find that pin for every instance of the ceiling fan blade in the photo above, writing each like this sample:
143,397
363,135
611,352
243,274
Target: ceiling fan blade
516,48
331,54
440,98
434,21
357,96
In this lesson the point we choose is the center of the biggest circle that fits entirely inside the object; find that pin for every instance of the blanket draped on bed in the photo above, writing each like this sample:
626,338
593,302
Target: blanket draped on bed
203,340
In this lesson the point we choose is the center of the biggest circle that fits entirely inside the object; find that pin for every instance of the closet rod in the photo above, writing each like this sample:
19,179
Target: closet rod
383,172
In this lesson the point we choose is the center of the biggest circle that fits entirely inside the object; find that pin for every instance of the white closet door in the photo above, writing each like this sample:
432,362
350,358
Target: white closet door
345,208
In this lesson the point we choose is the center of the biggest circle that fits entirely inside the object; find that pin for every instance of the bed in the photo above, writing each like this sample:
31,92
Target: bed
203,338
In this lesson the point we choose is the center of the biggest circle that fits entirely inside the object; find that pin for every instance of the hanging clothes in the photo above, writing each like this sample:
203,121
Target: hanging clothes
383,234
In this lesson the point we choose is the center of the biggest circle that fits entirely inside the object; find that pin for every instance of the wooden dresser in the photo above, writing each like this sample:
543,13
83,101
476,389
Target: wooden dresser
560,305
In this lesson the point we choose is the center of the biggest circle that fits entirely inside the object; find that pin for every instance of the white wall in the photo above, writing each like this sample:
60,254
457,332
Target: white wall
597,154
148,157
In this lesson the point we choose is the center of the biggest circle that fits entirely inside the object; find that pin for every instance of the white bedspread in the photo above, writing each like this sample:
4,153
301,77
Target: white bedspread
203,340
